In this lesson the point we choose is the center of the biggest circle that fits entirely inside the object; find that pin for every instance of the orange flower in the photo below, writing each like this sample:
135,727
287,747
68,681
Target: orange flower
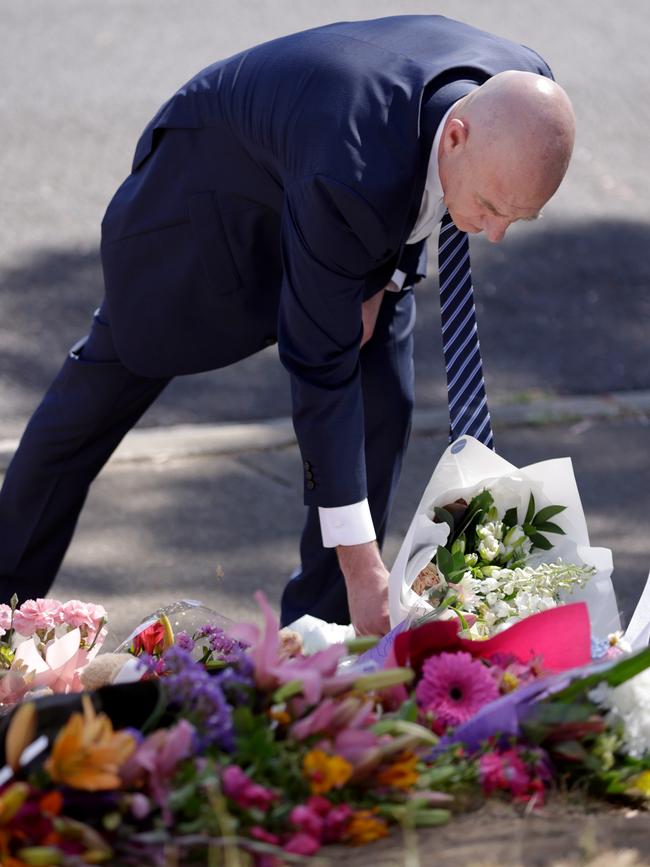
365,827
325,772
87,753
401,774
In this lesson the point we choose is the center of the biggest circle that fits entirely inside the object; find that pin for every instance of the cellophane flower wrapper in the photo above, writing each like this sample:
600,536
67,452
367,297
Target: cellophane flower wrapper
468,467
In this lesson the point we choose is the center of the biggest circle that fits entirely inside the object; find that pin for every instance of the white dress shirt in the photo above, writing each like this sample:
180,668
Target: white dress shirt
352,524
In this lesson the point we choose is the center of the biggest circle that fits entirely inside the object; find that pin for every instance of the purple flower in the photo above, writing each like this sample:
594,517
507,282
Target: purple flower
200,696
184,641
223,646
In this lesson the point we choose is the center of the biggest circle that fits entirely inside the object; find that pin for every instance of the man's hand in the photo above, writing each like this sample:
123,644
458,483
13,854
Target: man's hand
369,313
366,580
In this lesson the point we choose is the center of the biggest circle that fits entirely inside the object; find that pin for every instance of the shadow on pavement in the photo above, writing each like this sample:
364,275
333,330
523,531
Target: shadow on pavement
560,308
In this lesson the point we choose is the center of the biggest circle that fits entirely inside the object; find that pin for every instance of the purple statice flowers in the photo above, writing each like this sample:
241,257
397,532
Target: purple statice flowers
222,645
203,696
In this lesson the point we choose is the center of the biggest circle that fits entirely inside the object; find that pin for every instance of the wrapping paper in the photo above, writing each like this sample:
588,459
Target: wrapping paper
465,468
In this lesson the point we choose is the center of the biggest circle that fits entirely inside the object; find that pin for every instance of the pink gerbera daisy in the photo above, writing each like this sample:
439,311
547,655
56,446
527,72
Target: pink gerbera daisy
454,686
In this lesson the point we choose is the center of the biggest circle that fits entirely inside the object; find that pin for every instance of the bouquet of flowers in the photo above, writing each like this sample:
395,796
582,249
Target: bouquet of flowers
484,575
45,644
490,544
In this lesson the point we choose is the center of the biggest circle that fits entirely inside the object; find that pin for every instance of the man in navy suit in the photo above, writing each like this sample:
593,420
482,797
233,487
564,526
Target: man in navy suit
285,194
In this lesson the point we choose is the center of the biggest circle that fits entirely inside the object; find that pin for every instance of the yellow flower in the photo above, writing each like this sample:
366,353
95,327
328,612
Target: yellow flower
87,753
640,785
509,682
401,774
365,827
325,772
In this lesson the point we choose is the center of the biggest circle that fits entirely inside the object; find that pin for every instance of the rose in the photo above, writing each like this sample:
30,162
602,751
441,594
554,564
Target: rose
35,615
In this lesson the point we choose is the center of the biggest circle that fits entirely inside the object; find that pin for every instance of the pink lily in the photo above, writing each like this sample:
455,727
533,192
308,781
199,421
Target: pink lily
316,672
157,758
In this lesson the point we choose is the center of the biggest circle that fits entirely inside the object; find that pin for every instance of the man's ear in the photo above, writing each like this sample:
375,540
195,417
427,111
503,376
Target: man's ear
455,135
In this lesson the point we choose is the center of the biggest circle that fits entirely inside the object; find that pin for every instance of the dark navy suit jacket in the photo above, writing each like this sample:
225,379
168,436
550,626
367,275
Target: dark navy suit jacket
274,193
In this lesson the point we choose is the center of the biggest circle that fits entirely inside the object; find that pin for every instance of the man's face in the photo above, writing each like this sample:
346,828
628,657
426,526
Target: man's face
484,193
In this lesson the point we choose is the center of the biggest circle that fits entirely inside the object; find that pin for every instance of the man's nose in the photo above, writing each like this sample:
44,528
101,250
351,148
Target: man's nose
495,228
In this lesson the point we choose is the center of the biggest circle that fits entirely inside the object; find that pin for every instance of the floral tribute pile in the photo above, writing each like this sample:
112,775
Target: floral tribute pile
253,753
230,744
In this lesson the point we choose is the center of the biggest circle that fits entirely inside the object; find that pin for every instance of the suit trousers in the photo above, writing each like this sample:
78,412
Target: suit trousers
91,404
94,401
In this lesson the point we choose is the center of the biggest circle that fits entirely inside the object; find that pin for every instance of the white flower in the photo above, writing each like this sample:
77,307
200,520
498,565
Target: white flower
466,591
502,609
491,529
617,639
489,548
629,704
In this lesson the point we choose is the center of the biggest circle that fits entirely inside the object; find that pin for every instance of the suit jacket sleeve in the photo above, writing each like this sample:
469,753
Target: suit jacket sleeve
331,238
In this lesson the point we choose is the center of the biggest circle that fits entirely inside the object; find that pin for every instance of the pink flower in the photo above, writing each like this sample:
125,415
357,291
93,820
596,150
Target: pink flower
37,614
508,771
239,787
454,686
259,833
5,618
157,758
316,672
77,613
336,823
330,716
304,818
302,844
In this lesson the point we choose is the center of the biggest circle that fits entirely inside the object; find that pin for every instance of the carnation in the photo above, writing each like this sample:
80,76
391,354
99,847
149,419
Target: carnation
35,615
5,618
78,614
629,705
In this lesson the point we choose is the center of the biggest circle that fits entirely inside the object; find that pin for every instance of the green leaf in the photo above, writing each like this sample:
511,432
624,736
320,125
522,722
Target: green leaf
408,710
392,726
444,561
530,511
550,527
362,643
540,541
510,517
547,512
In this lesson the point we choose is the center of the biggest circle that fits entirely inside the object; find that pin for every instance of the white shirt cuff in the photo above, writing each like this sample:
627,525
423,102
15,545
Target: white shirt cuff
346,525
397,279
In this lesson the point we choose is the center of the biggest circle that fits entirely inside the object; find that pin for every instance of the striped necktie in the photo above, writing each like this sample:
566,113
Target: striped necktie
468,409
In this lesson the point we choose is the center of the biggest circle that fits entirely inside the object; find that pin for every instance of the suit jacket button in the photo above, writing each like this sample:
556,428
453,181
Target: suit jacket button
307,465
310,485
309,475
269,341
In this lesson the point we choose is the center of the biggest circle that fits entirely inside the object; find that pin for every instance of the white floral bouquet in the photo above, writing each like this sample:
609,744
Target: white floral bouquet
491,544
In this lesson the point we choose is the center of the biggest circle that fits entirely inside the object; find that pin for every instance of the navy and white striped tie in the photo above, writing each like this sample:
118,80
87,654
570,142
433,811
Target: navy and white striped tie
468,409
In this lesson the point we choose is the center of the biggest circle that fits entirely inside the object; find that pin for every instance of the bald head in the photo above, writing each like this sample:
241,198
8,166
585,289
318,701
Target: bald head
511,140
